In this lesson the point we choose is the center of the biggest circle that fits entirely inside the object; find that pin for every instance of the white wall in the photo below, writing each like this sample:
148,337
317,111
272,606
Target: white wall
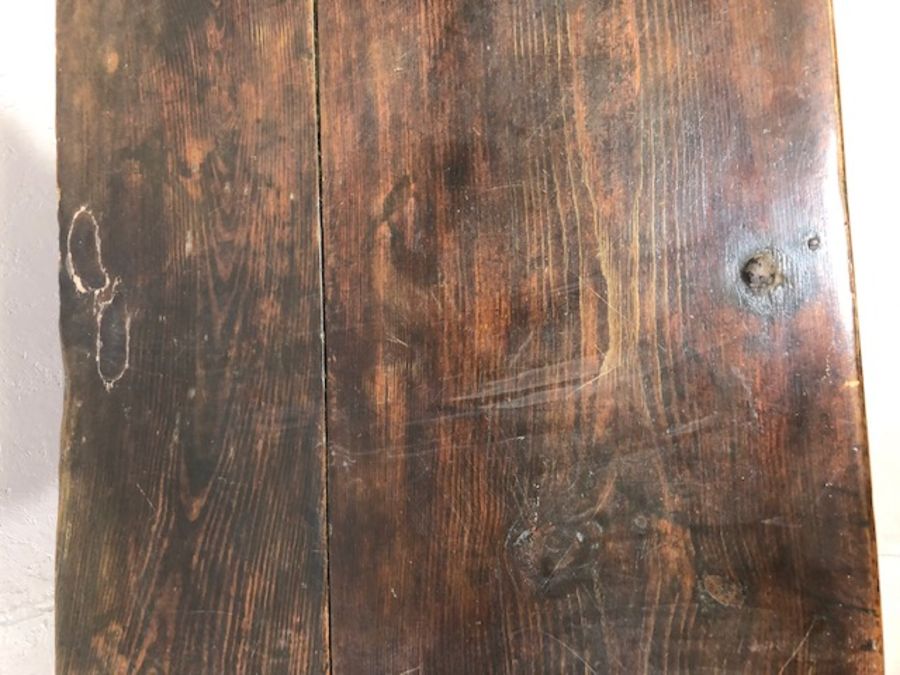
31,378
868,58
30,364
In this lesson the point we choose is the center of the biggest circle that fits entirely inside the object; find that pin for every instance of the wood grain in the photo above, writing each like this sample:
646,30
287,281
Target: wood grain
593,393
191,531
593,397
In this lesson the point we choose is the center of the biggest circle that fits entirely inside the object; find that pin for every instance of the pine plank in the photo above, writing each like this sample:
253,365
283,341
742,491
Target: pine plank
191,530
594,403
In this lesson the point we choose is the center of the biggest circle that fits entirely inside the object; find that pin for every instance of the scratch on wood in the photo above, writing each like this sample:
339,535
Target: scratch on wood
141,490
799,646
569,649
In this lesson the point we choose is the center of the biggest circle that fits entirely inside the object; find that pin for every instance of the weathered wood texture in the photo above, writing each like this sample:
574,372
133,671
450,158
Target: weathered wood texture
592,387
593,394
191,533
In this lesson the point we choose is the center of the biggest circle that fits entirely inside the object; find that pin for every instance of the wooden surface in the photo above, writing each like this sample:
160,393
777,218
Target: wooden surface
191,532
593,400
565,435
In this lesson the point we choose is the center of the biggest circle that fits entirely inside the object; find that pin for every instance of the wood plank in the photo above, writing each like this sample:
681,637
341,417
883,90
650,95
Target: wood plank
593,393
191,534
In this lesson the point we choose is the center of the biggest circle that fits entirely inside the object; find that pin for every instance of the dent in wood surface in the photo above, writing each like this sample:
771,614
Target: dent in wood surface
191,530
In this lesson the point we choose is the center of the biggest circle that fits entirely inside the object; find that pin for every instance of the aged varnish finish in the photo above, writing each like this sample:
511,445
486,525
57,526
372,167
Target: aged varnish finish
593,396
192,521
574,354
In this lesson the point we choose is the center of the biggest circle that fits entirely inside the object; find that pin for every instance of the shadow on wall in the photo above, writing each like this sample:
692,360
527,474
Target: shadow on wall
31,375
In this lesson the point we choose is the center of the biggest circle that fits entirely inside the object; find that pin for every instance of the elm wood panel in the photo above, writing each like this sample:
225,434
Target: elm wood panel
191,531
593,392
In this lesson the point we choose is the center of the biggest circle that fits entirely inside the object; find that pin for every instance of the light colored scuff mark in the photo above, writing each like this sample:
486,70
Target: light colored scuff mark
67,537
70,265
723,590
397,341
102,303
523,537
692,427
778,521
541,385
141,490
103,296
111,61
550,376
571,651
852,384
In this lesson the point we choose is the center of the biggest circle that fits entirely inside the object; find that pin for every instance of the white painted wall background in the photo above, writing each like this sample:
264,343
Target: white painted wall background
31,379
868,57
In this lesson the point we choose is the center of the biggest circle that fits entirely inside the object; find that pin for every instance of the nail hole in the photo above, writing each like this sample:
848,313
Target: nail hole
762,273
814,243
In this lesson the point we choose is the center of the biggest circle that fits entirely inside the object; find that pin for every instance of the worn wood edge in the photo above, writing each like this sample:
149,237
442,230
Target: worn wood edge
857,343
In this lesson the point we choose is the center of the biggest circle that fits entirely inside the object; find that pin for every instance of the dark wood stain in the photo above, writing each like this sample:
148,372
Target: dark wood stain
191,531
570,430
593,397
